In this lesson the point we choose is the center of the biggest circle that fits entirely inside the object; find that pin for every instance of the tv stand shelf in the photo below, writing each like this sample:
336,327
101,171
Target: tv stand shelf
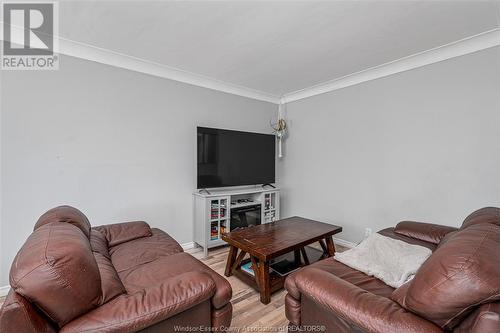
212,211
245,204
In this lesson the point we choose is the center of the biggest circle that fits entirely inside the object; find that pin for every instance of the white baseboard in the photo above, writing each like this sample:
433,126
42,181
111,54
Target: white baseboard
344,243
4,291
189,246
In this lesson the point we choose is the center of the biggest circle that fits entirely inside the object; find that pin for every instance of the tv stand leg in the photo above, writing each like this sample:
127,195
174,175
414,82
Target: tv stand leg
267,184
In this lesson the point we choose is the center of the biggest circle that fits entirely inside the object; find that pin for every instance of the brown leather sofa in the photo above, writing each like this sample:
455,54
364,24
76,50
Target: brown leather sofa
126,277
456,290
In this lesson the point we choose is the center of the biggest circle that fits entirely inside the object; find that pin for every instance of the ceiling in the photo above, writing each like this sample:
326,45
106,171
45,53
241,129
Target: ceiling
275,47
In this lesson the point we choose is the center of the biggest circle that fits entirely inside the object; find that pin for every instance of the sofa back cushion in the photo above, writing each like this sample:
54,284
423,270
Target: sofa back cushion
111,285
56,270
65,214
460,274
98,243
120,233
483,215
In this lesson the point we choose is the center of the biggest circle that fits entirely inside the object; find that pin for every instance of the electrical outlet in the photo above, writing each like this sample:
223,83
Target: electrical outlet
368,232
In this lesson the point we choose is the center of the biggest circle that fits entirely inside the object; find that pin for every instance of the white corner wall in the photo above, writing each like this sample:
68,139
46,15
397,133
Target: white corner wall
117,144
421,145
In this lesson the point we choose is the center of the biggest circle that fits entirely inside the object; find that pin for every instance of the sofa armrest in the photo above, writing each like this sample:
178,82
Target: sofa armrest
119,233
428,232
370,312
133,312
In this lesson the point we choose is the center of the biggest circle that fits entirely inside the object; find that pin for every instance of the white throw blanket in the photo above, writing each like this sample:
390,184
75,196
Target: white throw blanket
390,260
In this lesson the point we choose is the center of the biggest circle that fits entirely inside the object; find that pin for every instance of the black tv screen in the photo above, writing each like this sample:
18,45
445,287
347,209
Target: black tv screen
232,158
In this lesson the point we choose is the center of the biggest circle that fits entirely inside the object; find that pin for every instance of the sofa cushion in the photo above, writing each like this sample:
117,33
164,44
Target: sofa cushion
111,284
355,277
139,277
65,214
140,311
55,269
143,250
119,233
460,275
483,215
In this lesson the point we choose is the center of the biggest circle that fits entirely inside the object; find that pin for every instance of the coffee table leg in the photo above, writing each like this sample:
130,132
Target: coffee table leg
231,258
238,260
261,270
304,255
264,285
330,246
323,246
296,255
255,267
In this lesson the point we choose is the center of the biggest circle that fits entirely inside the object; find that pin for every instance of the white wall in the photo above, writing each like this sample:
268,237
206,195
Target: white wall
421,145
120,145
117,144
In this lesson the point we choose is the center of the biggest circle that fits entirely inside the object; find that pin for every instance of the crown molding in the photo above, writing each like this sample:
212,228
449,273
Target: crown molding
455,49
104,56
459,48
116,59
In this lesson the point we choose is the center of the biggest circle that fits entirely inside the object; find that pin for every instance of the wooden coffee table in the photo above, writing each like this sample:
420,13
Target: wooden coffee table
267,241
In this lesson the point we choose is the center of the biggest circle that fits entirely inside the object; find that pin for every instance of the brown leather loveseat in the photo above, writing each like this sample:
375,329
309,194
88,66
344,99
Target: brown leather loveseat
456,290
125,277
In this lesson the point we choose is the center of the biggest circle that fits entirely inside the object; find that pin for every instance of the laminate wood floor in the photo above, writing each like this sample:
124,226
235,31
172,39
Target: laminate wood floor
248,311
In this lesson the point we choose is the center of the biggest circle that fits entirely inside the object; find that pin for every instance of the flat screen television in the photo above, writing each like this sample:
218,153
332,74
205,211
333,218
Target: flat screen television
234,158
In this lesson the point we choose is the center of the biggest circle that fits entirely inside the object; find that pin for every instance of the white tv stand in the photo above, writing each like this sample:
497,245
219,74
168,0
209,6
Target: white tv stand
212,211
